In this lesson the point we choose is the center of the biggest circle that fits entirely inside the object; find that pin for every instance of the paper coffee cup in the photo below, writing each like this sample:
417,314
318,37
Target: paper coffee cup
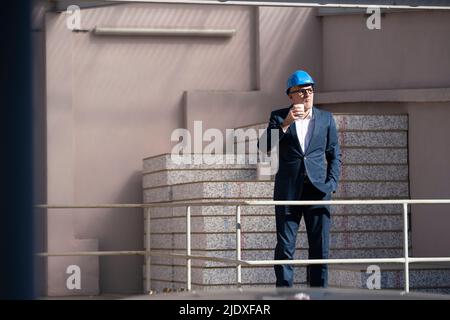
301,106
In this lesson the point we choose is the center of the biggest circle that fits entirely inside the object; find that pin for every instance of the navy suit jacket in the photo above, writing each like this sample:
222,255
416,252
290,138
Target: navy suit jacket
320,161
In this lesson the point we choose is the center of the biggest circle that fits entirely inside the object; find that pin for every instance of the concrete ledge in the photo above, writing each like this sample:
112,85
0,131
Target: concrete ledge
397,95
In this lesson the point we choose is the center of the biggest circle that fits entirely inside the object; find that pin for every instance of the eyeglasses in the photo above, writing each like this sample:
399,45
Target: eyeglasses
303,91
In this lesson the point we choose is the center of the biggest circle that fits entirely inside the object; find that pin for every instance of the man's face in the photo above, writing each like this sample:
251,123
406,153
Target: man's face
304,95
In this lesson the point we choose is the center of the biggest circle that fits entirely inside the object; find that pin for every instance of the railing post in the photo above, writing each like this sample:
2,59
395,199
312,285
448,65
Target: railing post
147,246
188,247
405,245
238,245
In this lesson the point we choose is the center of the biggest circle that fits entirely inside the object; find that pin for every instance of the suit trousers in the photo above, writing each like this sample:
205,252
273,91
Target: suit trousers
317,222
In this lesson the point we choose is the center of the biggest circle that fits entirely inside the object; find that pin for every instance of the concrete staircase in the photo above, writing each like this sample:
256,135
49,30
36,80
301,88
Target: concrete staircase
375,166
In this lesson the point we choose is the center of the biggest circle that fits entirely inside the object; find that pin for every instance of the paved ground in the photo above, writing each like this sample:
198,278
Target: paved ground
292,294
268,294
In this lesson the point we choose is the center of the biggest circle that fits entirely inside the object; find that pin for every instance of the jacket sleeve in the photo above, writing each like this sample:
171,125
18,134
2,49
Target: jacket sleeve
333,155
275,123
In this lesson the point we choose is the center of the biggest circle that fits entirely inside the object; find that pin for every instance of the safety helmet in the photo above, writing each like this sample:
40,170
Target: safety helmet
299,78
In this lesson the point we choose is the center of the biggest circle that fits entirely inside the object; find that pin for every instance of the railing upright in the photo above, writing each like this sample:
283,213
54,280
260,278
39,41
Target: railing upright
188,248
405,245
147,251
238,245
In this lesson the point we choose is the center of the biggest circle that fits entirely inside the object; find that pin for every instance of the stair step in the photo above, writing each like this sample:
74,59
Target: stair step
343,209
221,276
164,178
380,156
423,276
371,122
348,139
391,277
361,122
267,240
196,161
268,254
374,155
348,172
264,189
266,223
424,279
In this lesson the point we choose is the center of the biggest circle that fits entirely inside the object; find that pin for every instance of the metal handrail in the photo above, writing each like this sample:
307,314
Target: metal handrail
239,203
288,4
406,260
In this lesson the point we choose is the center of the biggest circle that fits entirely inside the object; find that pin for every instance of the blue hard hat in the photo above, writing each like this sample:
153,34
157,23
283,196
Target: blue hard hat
299,78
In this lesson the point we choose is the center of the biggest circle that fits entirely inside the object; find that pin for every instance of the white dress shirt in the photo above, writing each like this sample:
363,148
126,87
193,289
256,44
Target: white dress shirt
305,129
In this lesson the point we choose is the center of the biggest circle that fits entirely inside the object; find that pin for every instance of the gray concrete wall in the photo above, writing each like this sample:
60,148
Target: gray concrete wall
411,50
112,101
430,177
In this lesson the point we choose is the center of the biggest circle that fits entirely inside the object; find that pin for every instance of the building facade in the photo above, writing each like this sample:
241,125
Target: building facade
108,101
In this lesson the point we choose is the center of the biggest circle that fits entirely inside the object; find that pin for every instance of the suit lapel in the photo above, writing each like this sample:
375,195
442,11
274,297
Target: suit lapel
293,129
317,123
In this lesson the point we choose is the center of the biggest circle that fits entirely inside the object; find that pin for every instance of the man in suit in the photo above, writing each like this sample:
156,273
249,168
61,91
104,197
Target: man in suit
309,168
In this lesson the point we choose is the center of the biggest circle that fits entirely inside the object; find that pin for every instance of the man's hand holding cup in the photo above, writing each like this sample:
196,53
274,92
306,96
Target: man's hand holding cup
297,111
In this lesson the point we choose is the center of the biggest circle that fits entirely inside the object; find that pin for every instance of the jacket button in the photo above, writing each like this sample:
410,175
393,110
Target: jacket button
305,157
